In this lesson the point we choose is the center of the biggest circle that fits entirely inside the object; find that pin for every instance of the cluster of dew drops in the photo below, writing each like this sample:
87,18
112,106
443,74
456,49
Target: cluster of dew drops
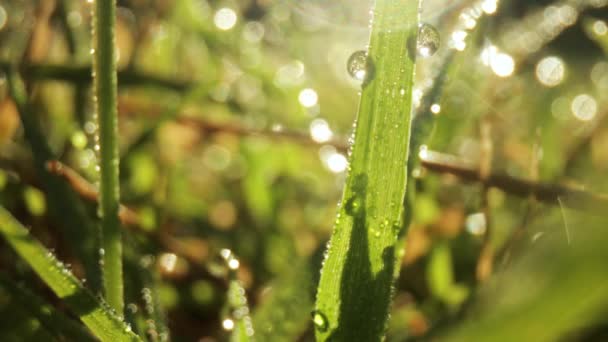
426,45
238,308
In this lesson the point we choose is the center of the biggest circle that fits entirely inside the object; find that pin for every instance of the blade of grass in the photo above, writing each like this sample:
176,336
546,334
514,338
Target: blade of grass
235,311
239,312
104,323
54,321
423,124
64,204
105,82
537,300
141,290
354,292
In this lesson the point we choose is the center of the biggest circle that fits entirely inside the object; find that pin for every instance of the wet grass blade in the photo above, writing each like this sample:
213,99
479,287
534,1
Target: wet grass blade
239,313
104,324
355,288
105,83
142,282
64,205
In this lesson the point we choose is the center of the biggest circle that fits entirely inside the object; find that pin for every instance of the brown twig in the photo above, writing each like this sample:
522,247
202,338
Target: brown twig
82,75
572,197
575,198
88,191
195,256
293,136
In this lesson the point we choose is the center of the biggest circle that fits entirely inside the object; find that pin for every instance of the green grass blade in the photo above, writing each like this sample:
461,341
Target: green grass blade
54,321
105,82
142,282
105,324
236,311
64,205
354,293
237,304
554,289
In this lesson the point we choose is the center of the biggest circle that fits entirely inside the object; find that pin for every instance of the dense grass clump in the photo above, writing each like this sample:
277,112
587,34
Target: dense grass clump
169,170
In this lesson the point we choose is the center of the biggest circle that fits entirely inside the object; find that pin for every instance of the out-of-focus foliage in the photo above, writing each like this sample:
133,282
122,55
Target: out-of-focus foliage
233,121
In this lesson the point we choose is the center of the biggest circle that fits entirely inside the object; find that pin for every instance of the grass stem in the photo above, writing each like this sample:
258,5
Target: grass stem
105,83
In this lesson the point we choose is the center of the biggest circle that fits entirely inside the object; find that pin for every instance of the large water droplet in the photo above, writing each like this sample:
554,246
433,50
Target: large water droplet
320,321
357,65
428,40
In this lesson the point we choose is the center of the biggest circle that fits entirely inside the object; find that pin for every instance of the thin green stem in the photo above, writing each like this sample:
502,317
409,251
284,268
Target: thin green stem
355,288
105,82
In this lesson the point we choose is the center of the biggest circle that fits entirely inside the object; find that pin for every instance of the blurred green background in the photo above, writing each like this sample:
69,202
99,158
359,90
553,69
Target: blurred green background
234,120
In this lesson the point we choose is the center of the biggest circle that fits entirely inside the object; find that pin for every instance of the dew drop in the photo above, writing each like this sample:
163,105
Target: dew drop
132,308
228,324
320,321
357,65
428,40
353,205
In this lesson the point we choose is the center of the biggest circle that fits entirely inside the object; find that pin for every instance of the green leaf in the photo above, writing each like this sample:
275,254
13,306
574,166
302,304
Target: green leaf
355,288
104,323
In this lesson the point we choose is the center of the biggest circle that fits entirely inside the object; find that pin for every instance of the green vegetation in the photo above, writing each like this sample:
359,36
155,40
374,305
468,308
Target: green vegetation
247,170
106,140
356,280
103,322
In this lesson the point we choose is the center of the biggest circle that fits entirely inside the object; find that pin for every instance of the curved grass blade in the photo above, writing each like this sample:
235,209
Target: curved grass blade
355,288
99,318
552,291
64,204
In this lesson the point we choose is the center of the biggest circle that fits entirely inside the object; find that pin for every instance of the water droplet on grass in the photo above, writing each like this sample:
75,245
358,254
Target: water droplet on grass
357,65
353,205
428,40
320,321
